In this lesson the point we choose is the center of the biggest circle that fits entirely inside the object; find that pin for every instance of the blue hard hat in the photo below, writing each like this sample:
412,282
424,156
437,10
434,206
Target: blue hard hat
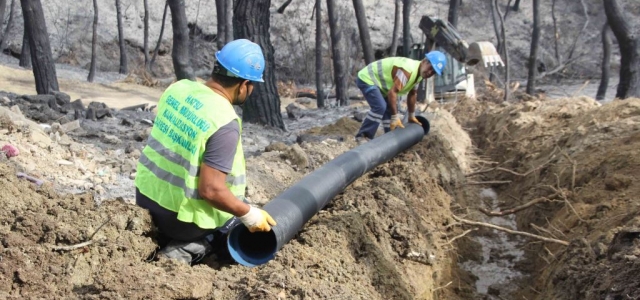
438,60
243,58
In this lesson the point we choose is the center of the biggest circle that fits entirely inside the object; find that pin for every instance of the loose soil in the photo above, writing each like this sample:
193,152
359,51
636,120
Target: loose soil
380,239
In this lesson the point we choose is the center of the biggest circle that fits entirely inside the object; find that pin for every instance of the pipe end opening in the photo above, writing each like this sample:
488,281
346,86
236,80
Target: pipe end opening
251,249
425,124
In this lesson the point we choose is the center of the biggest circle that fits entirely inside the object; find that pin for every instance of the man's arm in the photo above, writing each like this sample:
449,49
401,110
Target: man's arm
217,162
212,188
392,97
400,78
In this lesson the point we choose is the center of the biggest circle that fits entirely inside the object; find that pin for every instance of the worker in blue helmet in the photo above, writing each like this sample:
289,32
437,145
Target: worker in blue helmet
191,174
382,81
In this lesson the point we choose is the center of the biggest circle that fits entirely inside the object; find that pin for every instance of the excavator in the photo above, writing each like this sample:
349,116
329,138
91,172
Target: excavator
441,35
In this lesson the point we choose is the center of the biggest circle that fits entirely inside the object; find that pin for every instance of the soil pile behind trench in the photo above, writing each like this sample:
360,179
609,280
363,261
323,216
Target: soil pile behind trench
380,239
582,153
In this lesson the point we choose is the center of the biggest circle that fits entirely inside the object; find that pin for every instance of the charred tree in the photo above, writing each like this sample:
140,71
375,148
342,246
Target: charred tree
94,42
155,51
339,68
363,28
396,28
7,30
533,54
220,34
123,50
228,21
251,21
406,28
516,6
505,51
629,85
606,63
146,34
44,68
180,52
3,7
453,12
319,65
284,6
25,55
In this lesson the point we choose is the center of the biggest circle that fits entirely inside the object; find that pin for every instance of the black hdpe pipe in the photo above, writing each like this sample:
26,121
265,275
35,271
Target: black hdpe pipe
296,205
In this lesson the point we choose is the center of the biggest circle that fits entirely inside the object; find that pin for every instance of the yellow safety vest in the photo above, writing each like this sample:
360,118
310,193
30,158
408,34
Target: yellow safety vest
378,73
168,169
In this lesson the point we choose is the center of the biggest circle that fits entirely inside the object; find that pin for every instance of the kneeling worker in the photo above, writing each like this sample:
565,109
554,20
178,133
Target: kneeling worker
191,175
382,81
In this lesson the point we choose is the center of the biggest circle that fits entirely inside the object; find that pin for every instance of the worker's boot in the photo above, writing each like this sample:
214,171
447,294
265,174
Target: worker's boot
188,252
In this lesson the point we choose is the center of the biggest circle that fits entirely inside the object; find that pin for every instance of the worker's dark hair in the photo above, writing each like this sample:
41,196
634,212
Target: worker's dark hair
219,74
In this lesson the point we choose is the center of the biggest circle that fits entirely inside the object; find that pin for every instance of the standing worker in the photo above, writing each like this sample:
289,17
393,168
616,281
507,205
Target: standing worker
191,175
382,81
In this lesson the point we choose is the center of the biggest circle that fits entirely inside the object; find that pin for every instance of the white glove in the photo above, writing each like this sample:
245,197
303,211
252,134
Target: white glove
395,122
257,220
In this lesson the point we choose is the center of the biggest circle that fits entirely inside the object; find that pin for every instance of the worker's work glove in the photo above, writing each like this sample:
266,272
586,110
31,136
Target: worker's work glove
257,220
396,122
412,119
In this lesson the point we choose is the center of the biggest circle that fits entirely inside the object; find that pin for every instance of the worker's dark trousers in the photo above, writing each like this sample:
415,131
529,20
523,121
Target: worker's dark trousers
378,113
183,241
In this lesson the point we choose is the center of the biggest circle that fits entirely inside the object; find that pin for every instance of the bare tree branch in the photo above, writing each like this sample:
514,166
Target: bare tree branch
459,236
584,27
560,67
515,209
284,6
488,182
522,233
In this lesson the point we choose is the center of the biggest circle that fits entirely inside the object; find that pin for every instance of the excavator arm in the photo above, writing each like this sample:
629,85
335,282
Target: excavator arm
444,35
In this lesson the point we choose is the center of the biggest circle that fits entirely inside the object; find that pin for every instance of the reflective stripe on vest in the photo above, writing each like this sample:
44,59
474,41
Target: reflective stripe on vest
378,73
189,113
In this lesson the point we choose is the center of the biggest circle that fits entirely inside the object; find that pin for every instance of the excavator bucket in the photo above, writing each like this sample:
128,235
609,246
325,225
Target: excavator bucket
485,52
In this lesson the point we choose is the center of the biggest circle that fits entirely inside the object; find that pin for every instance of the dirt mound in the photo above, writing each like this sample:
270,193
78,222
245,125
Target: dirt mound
581,161
455,138
343,127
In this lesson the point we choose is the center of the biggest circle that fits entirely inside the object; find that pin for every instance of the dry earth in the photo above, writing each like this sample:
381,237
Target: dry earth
581,159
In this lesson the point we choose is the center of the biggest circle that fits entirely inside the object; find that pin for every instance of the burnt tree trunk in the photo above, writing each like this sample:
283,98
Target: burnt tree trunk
25,54
146,34
505,52
319,65
7,30
180,52
533,54
339,68
406,28
453,12
396,28
251,21
3,7
220,34
44,68
94,42
123,50
155,51
228,21
629,85
516,6
606,63
363,28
